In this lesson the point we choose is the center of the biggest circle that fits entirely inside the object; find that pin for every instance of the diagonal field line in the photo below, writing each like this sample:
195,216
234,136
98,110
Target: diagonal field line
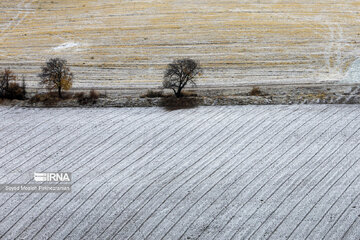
49,155
322,177
221,179
45,170
172,157
119,172
233,215
27,182
15,125
185,209
153,182
268,217
242,175
322,196
149,122
279,187
351,226
254,178
129,188
217,132
46,140
21,4
233,132
313,189
50,124
328,210
339,217
93,147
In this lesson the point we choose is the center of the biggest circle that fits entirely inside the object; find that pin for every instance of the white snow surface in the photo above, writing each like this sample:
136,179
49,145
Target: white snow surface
353,74
66,46
234,172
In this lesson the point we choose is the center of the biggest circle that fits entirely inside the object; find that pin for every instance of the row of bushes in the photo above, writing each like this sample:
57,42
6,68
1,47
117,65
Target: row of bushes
255,91
11,89
171,102
186,99
158,94
52,98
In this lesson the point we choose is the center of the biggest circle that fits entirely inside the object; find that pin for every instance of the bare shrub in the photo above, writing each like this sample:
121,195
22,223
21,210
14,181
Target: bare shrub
6,77
81,98
48,99
152,94
9,88
94,95
255,91
188,94
174,103
84,99
14,91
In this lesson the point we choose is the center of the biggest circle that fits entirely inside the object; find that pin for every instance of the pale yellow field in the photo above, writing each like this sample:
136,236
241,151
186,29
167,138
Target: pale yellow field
114,44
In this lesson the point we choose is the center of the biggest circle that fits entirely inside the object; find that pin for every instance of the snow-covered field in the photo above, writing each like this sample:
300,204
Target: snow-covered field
240,172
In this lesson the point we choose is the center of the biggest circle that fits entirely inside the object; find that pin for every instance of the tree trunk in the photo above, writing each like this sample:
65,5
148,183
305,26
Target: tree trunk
178,93
7,85
59,92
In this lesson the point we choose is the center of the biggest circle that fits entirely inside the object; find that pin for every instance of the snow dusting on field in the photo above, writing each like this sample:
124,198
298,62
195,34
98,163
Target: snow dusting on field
239,172
112,44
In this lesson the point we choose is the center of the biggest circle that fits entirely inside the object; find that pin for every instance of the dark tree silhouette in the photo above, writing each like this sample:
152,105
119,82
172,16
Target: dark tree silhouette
56,75
9,88
179,73
6,77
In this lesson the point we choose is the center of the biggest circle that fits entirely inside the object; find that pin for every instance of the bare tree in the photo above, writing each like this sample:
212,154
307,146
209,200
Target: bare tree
179,73
56,75
6,77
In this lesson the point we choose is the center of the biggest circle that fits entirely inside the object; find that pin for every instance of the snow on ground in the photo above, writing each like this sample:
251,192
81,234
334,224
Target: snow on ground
353,74
239,172
66,46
